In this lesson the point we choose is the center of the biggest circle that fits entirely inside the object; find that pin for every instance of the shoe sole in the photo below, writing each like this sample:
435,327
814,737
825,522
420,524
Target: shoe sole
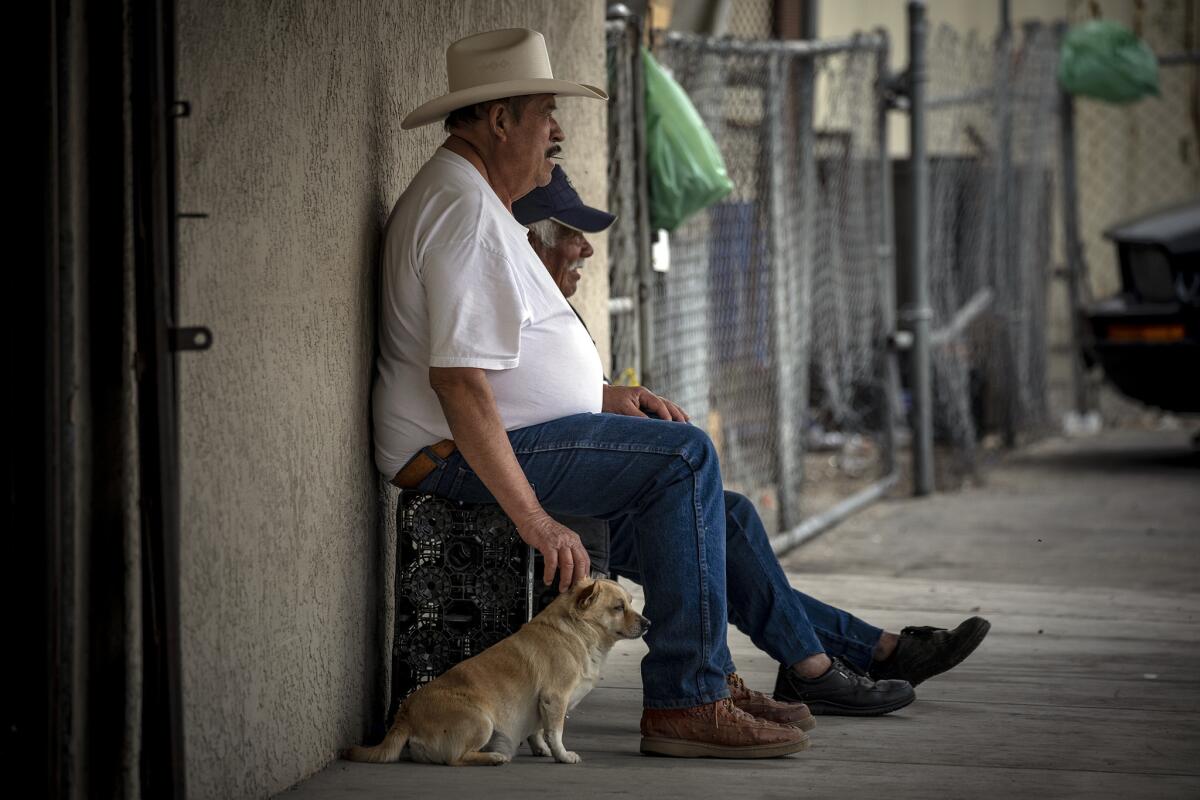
837,710
683,748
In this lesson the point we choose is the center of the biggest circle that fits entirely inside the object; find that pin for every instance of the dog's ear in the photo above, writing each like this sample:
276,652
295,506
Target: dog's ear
587,596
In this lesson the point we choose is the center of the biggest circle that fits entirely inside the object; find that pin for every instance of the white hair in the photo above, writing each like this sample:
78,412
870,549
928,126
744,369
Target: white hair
547,230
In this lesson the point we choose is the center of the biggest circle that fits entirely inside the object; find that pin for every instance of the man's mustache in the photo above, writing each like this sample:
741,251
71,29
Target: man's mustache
553,152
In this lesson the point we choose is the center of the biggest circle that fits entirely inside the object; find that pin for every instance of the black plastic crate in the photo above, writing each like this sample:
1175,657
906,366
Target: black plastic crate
464,581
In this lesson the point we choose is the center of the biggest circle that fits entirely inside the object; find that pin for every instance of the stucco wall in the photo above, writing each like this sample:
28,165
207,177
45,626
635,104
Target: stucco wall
295,153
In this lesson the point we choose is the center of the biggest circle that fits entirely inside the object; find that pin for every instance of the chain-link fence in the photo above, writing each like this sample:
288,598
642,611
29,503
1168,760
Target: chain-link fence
996,182
770,325
628,238
992,143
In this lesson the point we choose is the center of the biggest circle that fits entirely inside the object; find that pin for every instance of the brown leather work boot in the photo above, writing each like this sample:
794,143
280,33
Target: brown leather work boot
716,730
763,706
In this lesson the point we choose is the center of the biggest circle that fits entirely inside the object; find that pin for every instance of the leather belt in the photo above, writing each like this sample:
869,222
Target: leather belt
419,466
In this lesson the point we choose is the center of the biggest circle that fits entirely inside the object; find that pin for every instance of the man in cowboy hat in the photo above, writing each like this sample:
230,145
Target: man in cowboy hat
488,389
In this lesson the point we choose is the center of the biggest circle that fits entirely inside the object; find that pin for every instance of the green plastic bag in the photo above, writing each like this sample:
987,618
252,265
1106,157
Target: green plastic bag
686,171
1104,60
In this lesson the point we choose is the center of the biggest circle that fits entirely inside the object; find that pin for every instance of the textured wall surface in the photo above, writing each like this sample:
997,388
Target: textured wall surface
294,150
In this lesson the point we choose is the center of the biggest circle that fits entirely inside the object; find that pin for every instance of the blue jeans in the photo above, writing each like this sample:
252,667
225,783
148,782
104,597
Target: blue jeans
700,560
754,584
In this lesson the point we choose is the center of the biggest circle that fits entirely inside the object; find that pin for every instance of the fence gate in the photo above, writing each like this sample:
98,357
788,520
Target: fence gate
771,326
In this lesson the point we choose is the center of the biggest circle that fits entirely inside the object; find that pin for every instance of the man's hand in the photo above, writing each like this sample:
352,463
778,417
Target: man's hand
638,401
561,548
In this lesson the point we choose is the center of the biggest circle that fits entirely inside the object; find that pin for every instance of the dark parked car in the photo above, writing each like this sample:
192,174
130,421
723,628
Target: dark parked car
1147,338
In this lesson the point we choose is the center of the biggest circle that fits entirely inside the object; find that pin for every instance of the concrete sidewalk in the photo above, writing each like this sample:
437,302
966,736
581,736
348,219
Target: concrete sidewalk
1085,556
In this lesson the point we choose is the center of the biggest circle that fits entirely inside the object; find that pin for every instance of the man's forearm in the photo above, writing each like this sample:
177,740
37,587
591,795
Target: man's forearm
475,424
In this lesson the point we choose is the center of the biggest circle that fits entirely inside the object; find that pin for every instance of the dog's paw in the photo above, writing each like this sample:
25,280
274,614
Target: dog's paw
537,745
478,759
569,757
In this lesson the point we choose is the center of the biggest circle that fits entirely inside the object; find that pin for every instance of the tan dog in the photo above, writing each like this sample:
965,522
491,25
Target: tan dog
478,712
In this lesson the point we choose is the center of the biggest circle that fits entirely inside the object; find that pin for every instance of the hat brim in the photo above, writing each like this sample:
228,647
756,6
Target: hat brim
439,107
585,219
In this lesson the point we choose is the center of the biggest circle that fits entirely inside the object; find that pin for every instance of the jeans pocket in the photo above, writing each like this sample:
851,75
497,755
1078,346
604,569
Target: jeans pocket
430,482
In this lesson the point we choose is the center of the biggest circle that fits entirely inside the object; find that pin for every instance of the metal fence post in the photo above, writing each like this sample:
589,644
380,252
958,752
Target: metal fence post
1072,246
1004,275
646,277
920,313
624,241
789,409
885,250
804,230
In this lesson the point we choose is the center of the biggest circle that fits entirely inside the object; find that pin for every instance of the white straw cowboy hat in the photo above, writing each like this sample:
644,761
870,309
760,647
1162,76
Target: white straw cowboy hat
489,66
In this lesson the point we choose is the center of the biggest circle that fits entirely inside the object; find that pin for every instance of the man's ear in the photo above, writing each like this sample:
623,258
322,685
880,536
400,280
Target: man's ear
498,120
586,596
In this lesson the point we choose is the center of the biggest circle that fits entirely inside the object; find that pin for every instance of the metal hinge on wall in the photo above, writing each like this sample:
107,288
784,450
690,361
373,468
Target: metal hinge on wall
197,338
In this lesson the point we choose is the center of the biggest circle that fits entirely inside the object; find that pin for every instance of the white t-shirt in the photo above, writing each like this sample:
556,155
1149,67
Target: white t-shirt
461,287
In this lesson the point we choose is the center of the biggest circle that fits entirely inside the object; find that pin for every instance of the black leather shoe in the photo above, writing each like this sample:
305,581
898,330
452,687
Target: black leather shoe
843,691
924,652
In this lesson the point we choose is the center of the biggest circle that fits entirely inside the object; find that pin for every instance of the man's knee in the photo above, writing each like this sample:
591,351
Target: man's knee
696,446
736,503
740,509
689,444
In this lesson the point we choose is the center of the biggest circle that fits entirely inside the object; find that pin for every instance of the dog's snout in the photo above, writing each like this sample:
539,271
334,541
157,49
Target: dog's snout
635,625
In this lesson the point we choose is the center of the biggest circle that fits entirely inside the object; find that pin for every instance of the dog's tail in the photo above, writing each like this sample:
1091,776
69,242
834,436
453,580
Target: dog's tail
389,749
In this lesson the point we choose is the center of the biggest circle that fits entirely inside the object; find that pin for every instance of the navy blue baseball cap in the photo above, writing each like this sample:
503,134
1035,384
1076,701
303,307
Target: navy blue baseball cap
559,201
